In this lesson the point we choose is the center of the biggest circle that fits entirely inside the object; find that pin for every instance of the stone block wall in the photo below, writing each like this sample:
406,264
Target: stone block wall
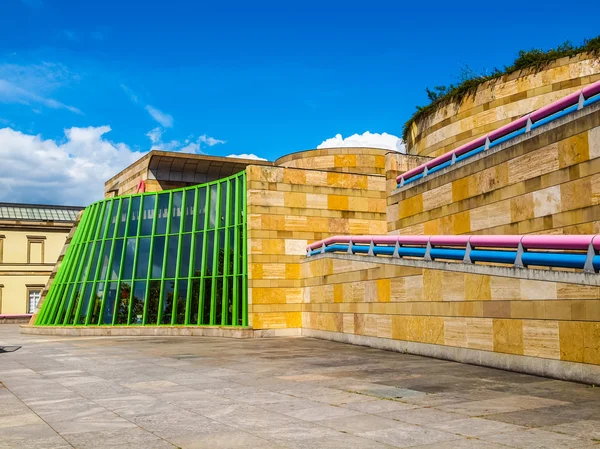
519,317
546,182
499,102
289,207
370,161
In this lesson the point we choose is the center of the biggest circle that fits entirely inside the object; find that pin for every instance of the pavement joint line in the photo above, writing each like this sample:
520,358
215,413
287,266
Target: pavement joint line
2,384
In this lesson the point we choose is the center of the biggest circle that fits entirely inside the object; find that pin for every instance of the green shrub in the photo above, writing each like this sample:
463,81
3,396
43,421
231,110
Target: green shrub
533,60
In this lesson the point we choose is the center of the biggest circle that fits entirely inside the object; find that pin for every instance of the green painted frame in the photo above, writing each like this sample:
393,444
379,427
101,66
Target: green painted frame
97,282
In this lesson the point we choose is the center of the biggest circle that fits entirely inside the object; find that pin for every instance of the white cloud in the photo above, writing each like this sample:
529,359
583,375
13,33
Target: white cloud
33,85
69,172
370,140
189,145
163,118
247,156
210,141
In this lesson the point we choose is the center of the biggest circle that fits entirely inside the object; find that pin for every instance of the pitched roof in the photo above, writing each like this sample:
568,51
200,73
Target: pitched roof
38,212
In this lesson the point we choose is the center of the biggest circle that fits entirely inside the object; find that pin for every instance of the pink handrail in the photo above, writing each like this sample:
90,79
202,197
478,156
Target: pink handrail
539,114
562,242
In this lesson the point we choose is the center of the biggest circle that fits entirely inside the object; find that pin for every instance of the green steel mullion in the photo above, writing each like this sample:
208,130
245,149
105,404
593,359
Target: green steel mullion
177,262
188,299
244,255
129,205
98,267
78,261
49,308
110,259
117,223
135,259
236,252
213,296
150,262
225,301
87,270
164,265
204,255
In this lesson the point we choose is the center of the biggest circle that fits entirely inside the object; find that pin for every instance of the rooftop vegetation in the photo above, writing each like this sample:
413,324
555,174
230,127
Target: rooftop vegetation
533,60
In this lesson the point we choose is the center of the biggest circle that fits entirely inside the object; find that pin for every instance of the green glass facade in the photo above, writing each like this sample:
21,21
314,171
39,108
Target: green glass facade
176,257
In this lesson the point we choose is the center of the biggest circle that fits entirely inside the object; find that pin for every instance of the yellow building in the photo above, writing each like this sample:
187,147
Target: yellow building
31,239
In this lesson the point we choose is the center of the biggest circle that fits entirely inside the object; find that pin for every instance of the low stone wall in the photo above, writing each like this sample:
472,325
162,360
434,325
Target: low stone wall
157,331
546,181
493,320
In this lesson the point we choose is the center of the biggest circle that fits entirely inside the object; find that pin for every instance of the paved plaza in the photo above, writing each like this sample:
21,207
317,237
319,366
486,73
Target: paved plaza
165,392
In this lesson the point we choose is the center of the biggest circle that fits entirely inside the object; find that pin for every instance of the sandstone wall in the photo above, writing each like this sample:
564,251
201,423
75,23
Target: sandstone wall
499,102
546,182
370,161
287,208
540,319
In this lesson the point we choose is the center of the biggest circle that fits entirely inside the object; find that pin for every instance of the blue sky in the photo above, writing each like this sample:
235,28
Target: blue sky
266,79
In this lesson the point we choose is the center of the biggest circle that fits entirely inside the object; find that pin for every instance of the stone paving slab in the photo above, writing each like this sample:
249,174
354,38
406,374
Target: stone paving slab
273,393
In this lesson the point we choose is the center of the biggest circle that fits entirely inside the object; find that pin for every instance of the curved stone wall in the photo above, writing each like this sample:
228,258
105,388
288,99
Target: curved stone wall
499,102
370,161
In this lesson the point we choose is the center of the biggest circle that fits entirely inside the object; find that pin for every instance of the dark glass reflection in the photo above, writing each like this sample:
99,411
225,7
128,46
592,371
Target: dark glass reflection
129,258
143,256
147,215
162,214
122,311
109,303
134,216
158,253
184,255
123,218
176,212
167,297
189,210
137,306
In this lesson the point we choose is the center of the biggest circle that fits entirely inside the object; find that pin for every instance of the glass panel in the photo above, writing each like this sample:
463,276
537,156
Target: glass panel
221,252
148,214
172,256
134,216
184,260
86,301
61,315
181,301
176,211
198,254
210,240
143,254
201,208
123,304
123,218
153,299
105,259
163,211
212,211
94,265
109,303
113,218
128,262
104,220
116,262
97,303
207,295
168,292
157,257
189,210
218,299
86,262
223,207
195,301
232,210
137,308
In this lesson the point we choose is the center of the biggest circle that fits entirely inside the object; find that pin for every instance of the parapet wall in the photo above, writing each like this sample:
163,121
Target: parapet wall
544,328
547,181
499,102
370,161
